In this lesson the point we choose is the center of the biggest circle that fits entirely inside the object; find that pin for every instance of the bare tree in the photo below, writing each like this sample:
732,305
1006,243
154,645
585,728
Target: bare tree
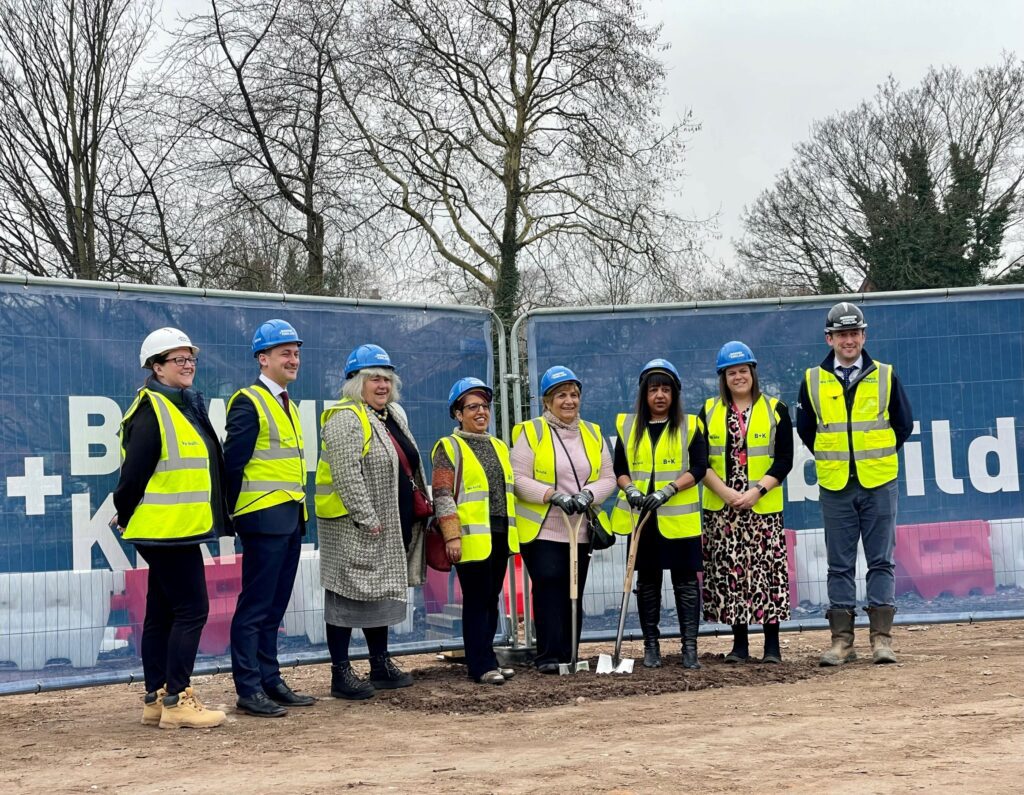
252,77
501,129
810,232
65,74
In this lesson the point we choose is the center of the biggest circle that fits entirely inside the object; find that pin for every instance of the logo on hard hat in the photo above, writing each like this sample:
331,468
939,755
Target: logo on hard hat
380,356
559,374
736,355
848,320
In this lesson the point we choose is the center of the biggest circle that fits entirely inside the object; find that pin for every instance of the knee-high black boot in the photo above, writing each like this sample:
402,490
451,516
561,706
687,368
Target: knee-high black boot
648,605
688,608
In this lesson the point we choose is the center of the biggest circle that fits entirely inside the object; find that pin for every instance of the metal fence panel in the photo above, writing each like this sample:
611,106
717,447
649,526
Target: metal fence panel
960,356
71,597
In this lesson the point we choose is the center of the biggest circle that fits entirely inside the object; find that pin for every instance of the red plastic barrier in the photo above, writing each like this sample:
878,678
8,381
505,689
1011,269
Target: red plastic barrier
950,557
791,565
519,588
223,583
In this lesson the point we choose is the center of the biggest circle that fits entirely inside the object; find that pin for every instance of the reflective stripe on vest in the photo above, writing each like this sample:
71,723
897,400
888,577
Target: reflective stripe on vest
679,517
276,471
472,496
176,502
326,501
761,432
867,424
530,515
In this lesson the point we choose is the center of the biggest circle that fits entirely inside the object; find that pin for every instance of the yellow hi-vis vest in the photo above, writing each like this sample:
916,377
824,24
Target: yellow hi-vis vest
176,502
327,501
472,496
867,425
761,429
276,472
679,516
530,515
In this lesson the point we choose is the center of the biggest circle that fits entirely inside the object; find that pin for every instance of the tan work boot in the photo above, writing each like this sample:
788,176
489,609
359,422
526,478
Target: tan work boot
840,621
185,711
153,707
881,633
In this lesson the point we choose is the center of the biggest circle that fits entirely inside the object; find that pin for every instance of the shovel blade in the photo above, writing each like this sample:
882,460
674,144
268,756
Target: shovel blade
604,664
565,669
624,667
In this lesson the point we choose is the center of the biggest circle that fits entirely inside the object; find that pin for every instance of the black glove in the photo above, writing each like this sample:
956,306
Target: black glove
583,501
658,498
564,501
634,496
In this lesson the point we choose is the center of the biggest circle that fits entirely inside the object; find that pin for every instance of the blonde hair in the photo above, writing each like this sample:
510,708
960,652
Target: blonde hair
353,387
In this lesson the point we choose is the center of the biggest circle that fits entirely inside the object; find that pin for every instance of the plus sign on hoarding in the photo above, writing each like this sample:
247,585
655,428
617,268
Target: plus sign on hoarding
35,486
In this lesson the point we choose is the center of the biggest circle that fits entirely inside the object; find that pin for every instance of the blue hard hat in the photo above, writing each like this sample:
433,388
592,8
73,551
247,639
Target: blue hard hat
461,387
274,333
734,353
367,356
556,375
666,366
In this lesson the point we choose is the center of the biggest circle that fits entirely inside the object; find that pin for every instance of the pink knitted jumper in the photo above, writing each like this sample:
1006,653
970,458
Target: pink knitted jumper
553,528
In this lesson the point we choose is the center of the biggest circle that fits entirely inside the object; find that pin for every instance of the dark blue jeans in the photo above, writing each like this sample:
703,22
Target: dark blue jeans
853,514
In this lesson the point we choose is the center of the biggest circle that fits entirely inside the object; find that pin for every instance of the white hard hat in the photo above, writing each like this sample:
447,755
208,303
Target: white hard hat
163,340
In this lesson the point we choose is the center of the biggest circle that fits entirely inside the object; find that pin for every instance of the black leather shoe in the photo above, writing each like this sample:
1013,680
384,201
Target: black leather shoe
548,668
286,697
260,706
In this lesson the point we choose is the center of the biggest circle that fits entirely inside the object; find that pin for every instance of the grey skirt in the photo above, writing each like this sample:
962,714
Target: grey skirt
342,612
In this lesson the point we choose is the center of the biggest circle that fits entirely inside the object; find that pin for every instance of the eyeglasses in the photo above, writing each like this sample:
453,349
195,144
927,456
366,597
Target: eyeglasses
181,361
475,407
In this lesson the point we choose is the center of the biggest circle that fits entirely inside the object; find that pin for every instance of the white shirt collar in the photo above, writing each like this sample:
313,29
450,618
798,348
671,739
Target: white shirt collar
275,388
859,364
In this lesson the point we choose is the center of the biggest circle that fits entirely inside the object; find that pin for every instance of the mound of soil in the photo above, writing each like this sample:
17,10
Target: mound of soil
446,689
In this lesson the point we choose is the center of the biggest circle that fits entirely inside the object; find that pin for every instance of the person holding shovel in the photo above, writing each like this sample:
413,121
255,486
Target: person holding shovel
563,471
750,442
660,457
475,507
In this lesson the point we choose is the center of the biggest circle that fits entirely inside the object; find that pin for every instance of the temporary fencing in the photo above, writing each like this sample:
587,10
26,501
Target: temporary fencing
72,593
958,353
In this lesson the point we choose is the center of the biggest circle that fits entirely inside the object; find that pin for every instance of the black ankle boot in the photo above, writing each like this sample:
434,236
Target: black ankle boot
740,644
385,675
346,684
648,606
688,609
772,650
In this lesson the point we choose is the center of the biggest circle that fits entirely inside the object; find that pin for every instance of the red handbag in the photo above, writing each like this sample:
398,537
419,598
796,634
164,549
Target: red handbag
437,554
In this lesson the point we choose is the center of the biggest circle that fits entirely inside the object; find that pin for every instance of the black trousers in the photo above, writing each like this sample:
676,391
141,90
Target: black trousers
548,565
269,563
176,609
481,582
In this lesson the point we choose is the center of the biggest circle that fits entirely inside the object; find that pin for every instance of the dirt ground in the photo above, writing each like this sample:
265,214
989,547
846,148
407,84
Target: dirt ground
949,717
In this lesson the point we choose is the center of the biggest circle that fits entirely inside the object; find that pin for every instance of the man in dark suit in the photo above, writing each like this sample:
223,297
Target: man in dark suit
265,482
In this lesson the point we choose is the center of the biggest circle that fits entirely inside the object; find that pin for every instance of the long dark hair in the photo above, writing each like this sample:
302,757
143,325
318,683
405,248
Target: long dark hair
643,411
755,386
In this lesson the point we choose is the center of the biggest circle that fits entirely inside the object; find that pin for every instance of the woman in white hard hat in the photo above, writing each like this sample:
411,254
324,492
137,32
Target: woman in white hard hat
169,502
660,457
371,510
475,508
750,441
562,468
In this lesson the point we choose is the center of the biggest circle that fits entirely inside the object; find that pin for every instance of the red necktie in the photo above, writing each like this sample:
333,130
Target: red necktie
284,399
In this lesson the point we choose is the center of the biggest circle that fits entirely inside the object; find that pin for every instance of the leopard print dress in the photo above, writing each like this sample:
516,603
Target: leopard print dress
746,576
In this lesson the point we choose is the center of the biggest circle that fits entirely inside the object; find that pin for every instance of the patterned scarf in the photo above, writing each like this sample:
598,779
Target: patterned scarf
573,425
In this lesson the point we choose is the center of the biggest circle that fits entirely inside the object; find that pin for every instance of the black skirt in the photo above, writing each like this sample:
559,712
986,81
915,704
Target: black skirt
658,552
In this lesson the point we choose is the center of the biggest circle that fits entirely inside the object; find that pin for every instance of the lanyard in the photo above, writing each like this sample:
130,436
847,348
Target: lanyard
742,454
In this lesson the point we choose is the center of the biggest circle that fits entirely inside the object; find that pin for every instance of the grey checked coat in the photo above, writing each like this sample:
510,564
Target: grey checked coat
354,563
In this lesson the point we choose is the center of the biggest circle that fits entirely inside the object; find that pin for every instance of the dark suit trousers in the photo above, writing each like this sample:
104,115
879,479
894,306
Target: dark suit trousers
269,563
548,565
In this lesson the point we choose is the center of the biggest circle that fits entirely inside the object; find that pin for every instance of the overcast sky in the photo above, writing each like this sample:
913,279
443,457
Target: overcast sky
756,73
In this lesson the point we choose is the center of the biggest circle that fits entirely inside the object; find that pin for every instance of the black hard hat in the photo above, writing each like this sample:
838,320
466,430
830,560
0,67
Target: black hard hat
844,316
